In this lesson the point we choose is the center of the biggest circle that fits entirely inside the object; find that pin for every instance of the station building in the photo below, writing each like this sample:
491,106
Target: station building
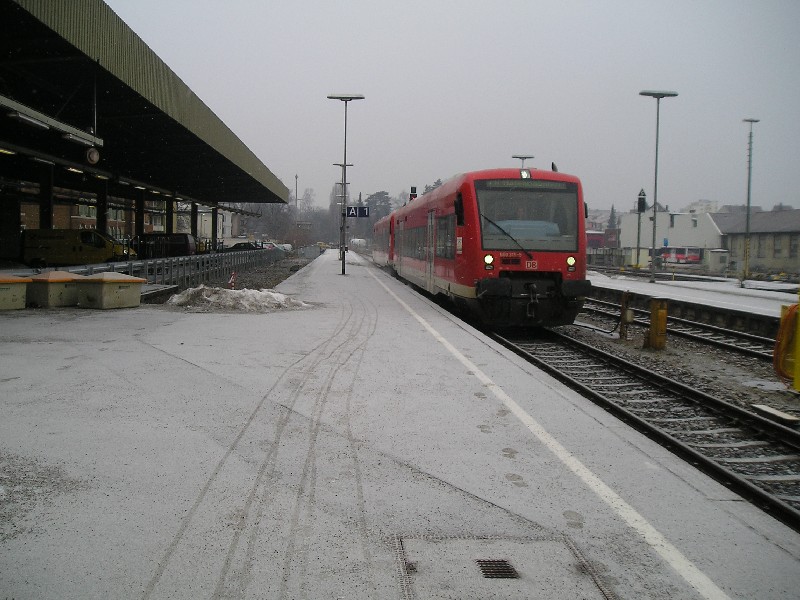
97,132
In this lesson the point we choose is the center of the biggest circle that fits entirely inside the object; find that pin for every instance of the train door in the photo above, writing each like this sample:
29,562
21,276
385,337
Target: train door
390,255
399,247
429,250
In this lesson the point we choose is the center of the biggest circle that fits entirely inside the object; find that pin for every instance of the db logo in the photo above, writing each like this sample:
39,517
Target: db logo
531,264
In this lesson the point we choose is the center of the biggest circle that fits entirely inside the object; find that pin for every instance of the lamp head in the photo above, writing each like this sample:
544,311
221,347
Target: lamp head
346,97
658,94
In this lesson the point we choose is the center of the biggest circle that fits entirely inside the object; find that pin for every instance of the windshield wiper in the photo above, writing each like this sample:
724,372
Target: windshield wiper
511,237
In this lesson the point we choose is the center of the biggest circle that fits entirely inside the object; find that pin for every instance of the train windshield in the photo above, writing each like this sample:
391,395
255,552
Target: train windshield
528,214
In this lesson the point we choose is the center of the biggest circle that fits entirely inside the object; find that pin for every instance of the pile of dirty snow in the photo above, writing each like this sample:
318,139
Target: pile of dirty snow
208,299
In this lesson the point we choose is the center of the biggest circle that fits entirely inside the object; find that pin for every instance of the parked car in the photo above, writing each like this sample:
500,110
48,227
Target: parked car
165,245
277,246
59,247
242,246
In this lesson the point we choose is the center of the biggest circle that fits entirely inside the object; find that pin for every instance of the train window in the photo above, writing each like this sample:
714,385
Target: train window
532,214
446,237
413,242
459,208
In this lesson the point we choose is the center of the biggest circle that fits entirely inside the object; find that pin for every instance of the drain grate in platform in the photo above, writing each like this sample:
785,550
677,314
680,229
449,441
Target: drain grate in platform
497,569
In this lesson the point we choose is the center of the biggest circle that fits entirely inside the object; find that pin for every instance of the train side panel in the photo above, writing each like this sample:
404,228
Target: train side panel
383,241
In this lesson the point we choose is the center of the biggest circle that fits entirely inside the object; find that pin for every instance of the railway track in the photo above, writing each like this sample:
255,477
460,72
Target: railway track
757,458
734,341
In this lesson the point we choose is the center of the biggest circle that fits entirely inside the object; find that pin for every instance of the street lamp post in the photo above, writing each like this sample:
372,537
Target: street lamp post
343,213
746,272
522,157
658,96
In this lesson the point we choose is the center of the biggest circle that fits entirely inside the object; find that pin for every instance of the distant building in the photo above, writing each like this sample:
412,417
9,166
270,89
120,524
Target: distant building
739,208
774,236
597,219
595,239
701,206
602,247
774,239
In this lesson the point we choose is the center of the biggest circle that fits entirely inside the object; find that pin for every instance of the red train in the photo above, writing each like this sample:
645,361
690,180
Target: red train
509,245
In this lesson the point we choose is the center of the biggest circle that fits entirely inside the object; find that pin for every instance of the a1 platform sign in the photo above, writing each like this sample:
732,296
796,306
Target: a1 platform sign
358,211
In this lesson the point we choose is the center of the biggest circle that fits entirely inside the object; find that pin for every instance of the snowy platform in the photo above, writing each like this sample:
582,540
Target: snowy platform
362,444
761,298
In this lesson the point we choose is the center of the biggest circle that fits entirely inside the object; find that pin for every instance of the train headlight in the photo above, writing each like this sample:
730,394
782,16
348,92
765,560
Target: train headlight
571,263
488,259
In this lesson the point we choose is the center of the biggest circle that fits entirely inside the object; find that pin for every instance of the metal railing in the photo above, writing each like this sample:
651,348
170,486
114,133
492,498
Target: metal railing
186,271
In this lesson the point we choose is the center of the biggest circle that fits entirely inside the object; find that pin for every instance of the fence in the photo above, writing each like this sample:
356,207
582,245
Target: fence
187,271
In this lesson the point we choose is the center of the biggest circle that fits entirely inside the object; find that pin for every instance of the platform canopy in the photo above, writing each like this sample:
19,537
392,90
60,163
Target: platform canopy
78,88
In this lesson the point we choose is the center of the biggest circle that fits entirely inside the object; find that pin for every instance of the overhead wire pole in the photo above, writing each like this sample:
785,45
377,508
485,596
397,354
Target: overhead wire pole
746,272
343,213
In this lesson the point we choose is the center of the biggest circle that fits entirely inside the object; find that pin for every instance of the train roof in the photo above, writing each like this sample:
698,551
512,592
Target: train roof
502,173
452,184
515,173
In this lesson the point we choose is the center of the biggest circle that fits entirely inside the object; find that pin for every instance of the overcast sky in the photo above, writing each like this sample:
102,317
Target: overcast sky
454,86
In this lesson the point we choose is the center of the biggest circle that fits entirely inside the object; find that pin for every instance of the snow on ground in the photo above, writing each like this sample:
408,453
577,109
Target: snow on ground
721,293
210,299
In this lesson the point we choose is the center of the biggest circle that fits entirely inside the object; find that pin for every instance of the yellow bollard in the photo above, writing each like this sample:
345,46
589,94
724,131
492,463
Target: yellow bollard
656,338
786,356
797,351
625,315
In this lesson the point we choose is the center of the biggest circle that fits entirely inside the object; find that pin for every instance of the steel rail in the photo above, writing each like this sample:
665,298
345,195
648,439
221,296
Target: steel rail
691,330
775,506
